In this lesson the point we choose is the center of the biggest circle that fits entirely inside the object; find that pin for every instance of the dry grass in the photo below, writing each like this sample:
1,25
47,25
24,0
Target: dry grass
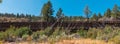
83,41
75,41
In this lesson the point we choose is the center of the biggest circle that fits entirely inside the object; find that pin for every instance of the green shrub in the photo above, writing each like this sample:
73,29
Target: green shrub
82,33
9,33
23,30
63,35
2,36
107,30
25,36
107,33
41,32
47,31
55,35
40,35
56,32
92,33
36,35
115,36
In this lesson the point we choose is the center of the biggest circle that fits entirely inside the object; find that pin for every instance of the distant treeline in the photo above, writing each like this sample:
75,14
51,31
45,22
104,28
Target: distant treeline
17,15
28,16
33,17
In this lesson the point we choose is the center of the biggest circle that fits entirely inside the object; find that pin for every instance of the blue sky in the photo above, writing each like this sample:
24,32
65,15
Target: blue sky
70,7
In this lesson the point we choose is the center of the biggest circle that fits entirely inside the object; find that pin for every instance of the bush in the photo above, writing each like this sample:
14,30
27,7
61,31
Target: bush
25,36
2,36
9,34
47,31
92,33
82,33
63,35
36,35
107,32
22,31
115,36
55,35
39,35
56,32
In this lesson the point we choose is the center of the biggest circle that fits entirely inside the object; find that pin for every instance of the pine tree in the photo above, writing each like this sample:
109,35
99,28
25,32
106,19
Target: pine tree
108,13
47,12
115,11
59,13
95,17
99,15
22,15
87,12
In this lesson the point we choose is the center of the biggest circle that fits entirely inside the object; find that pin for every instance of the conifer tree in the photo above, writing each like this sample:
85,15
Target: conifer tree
108,13
87,12
47,12
99,15
115,11
59,13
